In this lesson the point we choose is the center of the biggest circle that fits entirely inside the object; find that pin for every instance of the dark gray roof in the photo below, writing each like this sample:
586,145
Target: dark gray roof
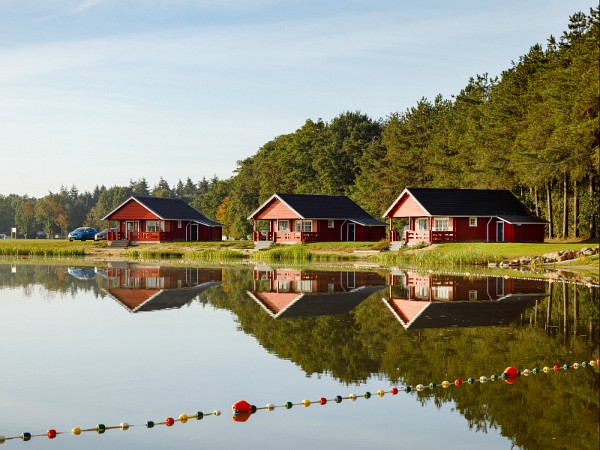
173,209
470,313
321,303
521,219
472,202
328,207
167,298
174,298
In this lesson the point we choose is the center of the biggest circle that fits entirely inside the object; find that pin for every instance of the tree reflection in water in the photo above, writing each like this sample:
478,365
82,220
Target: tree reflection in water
357,325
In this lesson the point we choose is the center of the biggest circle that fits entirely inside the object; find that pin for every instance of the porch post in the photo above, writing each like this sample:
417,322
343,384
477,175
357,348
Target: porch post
430,229
391,232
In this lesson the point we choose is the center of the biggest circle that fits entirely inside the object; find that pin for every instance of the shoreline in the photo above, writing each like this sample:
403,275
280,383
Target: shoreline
345,257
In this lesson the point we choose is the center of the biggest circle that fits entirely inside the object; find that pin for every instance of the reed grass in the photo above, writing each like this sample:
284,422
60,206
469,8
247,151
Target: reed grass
298,254
216,255
34,248
466,257
153,254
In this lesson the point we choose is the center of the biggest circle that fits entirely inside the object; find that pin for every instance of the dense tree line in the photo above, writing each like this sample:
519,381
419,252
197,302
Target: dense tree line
532,130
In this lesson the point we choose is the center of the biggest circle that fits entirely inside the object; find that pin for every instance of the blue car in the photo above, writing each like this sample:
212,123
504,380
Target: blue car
82,234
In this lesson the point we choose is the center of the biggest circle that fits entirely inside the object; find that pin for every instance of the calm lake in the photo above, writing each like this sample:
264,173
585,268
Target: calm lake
83,346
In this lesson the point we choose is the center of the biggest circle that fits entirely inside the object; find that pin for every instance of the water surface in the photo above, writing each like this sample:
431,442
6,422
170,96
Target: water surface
130,343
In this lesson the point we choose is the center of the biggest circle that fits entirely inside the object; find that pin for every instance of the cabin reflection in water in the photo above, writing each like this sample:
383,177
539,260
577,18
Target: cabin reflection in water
153,288
300,293
439,301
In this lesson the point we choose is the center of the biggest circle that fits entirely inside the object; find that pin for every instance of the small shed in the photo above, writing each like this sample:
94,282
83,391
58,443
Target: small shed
302,218
463,215
155,219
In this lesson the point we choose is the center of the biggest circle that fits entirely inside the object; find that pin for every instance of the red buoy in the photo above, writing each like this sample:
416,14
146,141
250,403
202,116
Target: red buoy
241,406
510,375
241,416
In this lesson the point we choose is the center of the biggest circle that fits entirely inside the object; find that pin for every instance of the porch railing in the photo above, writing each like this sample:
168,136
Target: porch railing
433,236
148,236
286,236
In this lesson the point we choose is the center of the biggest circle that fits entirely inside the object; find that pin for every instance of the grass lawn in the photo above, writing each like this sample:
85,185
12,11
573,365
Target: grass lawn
508,250
449,254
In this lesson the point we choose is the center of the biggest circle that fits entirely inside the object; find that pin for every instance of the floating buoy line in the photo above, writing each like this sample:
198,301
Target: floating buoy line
242,410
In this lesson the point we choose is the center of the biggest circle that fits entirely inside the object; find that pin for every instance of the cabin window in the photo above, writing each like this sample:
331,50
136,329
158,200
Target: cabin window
283,225
304,225
155,282
330,223
442,224
283,285
422,292
441,293
155,225
304,286
472,221
422,224
472,295
179,224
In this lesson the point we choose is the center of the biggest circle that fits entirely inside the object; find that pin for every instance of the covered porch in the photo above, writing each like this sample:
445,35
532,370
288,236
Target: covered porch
156,231
428,230
284,237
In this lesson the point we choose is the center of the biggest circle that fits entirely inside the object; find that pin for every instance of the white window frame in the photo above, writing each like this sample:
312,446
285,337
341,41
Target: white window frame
152,225
331,224
438,224
441,292
304,226
179,224
304,286
160,225
421,222
283,225
472,221
422,292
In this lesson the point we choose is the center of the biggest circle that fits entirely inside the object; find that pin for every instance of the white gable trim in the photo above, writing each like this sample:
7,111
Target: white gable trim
127,201
395,202
251,217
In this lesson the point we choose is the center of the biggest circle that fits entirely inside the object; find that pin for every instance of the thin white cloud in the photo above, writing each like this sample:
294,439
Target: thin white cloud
85,5
253,47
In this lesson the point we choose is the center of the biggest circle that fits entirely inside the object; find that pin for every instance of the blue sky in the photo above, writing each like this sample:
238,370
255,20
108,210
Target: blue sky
101,92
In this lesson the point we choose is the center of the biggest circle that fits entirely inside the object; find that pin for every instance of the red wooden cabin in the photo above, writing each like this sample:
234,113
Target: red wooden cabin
153,288
441,301
300,293
463,215
154,219
300,218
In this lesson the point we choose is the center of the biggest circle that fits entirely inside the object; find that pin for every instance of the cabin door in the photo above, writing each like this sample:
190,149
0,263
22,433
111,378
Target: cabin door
500,231
351,232
194,232
128,228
